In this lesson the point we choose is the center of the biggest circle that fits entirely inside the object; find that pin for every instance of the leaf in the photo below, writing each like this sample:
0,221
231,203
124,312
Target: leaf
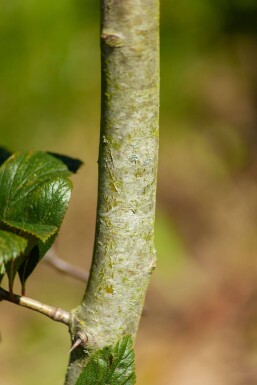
42,232
111,366
49,207
20,176
4,155
34,196
28,265
12,247
2,272
123,363
73,164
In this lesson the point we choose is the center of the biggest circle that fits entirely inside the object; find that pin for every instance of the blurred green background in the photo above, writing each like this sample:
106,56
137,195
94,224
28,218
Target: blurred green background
200,321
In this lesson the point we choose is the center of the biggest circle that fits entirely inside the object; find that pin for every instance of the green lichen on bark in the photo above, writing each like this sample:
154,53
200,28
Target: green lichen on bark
124,253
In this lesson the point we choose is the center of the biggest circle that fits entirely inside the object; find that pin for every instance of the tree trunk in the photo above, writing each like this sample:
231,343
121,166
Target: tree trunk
124,253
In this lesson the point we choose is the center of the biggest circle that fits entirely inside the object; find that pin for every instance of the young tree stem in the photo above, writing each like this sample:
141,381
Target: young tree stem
124,252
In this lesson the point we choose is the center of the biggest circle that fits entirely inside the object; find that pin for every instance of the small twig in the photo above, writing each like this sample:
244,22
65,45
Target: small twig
64,267
56,314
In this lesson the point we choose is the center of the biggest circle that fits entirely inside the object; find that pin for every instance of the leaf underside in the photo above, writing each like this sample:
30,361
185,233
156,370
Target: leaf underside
111,365
34,196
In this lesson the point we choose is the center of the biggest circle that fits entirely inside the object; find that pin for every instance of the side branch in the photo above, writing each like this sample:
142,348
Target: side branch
56,314
65,268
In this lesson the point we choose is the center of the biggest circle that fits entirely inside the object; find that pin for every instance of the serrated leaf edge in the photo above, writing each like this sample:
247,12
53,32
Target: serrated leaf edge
43,239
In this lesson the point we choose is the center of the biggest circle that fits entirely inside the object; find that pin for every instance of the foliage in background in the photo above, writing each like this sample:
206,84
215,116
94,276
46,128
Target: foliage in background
49,65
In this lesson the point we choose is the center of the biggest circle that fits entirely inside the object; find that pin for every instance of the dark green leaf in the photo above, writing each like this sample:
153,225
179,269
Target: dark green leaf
111,366
42,232
11,246
34,196
28,265
20,176
73,164
4,155
12,249
2,272
48,208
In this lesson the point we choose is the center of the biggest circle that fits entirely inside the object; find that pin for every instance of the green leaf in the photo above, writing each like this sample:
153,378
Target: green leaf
42,232
34,196
4,155
12,247
20,176
111,365
73,164
2,272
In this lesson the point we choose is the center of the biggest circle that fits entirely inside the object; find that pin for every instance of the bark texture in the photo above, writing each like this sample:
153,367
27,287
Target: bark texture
124,253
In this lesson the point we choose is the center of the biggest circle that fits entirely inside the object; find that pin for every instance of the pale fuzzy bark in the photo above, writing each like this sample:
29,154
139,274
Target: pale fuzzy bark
124,254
